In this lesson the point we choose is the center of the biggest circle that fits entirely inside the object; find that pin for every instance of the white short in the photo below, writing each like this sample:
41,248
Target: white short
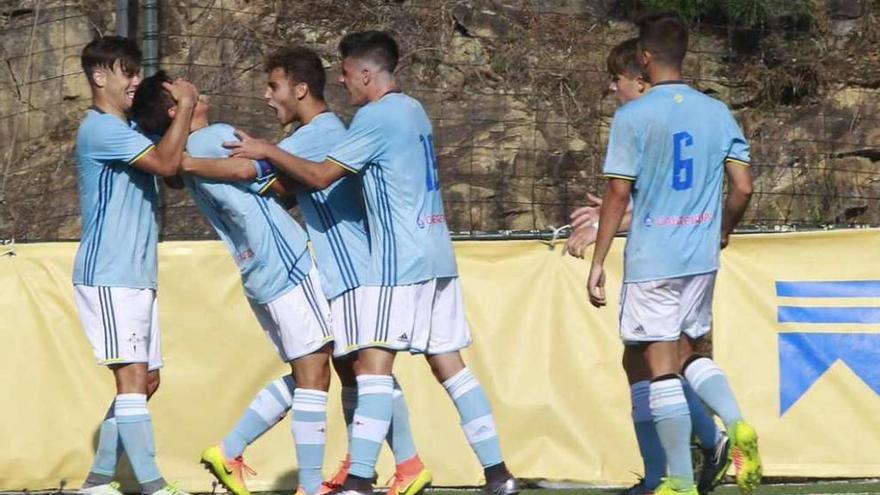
427,317
344,320
661,310
298,322
121,323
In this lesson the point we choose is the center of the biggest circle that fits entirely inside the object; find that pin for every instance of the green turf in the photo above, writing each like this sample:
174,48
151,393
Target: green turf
837,487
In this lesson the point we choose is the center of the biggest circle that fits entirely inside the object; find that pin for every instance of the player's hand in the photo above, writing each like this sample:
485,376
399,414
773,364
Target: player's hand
587,215
596,286
182,91
580,240
725,239
249,146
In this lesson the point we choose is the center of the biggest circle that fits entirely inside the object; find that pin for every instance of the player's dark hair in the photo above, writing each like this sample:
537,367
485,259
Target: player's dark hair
301,65
151,103
623,60
377,46
105,51
665,36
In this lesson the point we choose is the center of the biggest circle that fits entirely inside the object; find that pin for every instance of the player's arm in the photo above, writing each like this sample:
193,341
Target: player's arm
739,193
614,205
164,159
223,169
315,175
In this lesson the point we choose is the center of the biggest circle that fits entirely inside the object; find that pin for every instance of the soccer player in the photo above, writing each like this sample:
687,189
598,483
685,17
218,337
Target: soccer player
629,83
280,281
676,144
411,296
115,268
335,219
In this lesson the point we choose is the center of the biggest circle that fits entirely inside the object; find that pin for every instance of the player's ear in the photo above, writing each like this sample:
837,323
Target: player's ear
172,111
300,90
99,77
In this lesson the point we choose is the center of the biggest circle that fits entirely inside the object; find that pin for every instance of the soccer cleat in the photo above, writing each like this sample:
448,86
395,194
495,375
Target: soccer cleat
746,459
337,480
668,487
111,488
716,461
510,486
637,489
229,472
170,489
405,484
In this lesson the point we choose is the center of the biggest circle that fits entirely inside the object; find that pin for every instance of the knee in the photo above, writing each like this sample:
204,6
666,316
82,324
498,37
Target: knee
688,359
314,377
445,366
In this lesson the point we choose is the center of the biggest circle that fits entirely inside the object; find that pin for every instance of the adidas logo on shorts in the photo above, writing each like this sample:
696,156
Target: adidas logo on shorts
403,338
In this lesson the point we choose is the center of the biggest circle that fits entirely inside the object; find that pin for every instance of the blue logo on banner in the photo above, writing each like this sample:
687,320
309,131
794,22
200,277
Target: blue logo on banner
805,357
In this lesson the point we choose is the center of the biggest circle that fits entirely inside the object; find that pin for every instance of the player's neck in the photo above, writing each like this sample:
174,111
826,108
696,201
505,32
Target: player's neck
663,74
384,87
311,109
103,104
198,123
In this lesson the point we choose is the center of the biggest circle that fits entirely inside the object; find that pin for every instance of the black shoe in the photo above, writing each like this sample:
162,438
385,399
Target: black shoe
716,461
510,486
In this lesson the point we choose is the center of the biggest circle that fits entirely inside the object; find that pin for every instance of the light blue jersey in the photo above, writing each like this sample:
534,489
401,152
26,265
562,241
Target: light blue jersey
335,217
268,246
391,142
118,204
673,143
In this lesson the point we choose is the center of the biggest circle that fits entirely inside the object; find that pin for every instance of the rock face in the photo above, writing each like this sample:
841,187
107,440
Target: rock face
517,92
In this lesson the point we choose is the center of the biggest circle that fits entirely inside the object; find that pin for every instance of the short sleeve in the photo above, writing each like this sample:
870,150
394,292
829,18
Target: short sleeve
305,144
117,141
622,159
737,145
362,142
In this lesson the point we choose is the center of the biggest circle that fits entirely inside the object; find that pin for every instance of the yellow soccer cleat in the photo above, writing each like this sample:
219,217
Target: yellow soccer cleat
229,472
746,459
669,487
410,478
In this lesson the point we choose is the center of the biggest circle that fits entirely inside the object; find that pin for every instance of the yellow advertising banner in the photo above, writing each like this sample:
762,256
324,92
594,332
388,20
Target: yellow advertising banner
795,330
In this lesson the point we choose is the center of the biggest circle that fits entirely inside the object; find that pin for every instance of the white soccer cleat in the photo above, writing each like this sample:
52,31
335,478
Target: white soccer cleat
111,488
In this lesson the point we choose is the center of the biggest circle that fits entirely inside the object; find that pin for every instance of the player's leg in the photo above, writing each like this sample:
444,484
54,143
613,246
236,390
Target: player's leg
267,409
710,383
372,415
714,443
105,311
654,460
650,315
441,338
309,425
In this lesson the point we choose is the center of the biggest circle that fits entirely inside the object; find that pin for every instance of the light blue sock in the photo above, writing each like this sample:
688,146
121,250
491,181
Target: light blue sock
107,454
136,432
711,385
310,435
265,411
372,418
653,457
673,422
704,426
476,416
399,435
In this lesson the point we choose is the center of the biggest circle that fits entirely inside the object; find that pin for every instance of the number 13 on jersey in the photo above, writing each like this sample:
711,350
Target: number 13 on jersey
682,168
